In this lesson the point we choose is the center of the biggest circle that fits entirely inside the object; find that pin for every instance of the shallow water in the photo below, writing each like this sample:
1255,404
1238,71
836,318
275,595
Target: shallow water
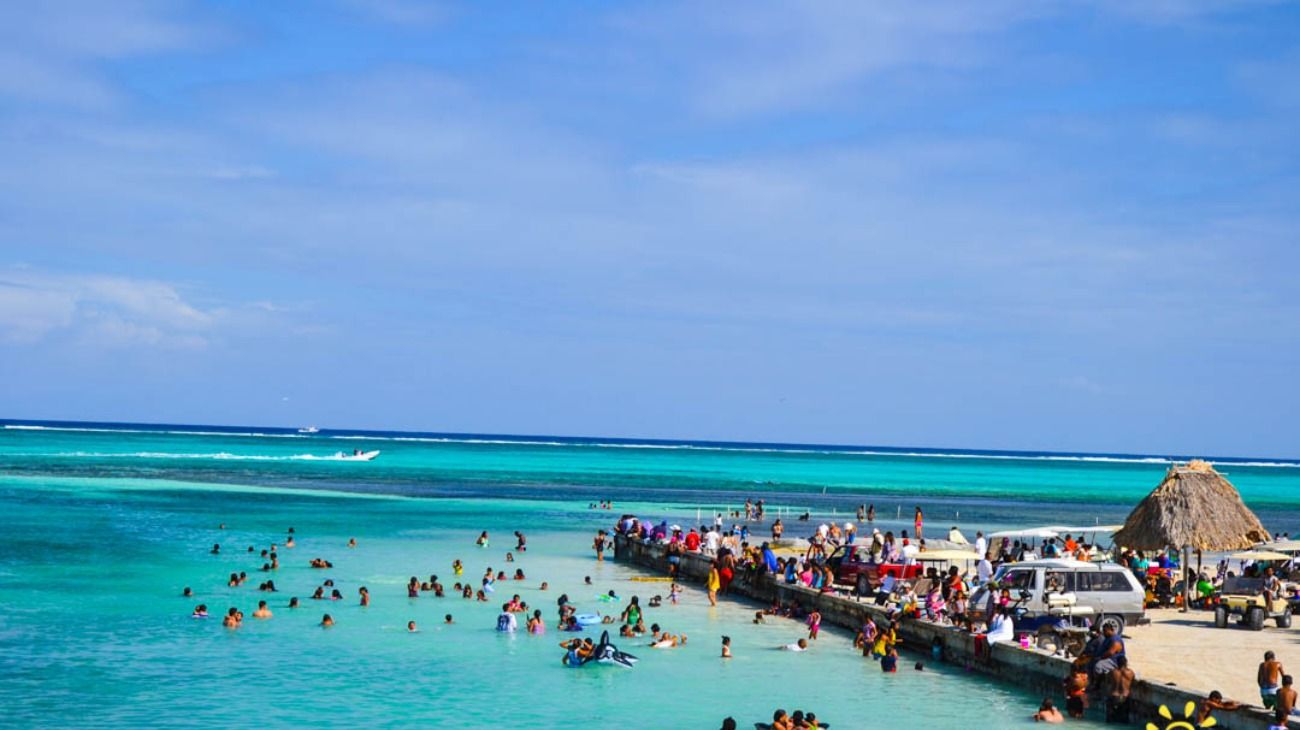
105,527
91,618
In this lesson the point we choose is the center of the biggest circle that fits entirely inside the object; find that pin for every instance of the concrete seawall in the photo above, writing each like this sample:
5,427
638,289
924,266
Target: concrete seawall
1029,668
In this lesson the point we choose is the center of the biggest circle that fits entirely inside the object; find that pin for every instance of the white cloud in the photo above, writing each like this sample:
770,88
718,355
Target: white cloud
101,310
50,50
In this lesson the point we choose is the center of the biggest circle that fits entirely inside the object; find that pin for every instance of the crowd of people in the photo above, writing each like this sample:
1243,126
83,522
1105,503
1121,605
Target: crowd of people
1099,675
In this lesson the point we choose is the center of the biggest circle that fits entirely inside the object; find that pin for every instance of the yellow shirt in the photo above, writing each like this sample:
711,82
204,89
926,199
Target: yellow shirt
714,582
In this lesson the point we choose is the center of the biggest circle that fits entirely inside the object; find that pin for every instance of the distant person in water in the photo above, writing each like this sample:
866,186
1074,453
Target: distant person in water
262,611
200,611
410,627
726,647
482,540
352,542
187,593
447,619
598,544
327,621
216,549
1047,712
293,602
521,542
365,596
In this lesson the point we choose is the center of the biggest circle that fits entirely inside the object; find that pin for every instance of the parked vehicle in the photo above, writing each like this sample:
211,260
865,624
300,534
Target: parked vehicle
1244,598
853,567
1055,590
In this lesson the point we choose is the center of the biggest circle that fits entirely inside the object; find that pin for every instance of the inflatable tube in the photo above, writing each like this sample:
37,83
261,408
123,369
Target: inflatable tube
608,598
587,619
650,579
607,653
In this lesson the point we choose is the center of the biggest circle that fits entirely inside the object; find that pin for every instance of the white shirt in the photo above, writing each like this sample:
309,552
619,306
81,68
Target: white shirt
507,622
984,569
794,647
981,546
711,541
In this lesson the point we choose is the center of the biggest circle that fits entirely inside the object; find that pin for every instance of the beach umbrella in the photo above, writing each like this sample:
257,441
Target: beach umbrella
1260,555
1193,508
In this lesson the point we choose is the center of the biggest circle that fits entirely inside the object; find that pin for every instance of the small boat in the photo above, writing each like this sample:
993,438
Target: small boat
357,456
309,429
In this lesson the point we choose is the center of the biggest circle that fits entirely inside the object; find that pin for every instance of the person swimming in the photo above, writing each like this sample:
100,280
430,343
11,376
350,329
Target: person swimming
327,621
482,540
200,611
446,619
800,645
187,593
293,602
410,627
457,567
262,610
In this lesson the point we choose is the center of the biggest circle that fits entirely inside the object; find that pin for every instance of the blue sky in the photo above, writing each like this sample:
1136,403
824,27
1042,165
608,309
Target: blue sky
1054,225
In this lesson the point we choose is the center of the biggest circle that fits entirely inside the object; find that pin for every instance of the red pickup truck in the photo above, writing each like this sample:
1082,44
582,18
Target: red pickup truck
853,567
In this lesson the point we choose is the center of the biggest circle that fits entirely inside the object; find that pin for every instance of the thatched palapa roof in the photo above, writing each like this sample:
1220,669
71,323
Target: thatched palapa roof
1193,507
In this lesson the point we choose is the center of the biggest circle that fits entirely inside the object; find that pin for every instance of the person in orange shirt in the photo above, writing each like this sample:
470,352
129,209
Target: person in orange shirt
1070,545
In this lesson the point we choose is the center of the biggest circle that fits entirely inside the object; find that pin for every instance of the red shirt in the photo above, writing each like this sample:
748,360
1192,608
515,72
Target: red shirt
692,541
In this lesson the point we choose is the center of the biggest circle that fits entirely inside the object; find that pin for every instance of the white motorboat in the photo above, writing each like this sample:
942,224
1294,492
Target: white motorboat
309,429
357,456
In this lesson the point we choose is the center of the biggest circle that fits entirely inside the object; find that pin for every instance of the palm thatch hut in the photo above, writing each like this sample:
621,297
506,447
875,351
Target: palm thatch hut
1194,507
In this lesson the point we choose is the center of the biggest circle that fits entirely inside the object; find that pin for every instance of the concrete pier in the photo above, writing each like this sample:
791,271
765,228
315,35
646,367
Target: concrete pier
1008,662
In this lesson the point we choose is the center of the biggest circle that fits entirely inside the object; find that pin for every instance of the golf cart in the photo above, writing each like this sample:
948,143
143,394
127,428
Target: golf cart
1243,597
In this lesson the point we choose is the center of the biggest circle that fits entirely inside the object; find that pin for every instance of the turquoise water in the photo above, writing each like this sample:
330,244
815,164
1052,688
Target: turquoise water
104,529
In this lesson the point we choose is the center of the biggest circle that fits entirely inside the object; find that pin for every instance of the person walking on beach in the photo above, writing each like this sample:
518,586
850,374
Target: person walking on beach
599,546
713,583
1269,679
919,520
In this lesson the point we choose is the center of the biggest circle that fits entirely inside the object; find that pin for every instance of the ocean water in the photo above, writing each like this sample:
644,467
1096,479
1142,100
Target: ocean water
103,529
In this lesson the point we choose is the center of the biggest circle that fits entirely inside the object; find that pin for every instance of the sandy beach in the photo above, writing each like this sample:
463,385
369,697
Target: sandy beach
1186,649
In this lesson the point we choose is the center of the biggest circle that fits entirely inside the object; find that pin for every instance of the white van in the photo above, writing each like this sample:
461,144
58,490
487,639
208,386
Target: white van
1048,591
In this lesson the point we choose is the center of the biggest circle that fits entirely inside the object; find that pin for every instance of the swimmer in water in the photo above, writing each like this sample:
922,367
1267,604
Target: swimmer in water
216,549
293,602
535,624
187,593
544,586
521,543
336,595
200,611
233,582
365,596
262,611
327,621
289,543
1047,712
587,580
231,619
446,619
510,557
410,627
726,647
800,645
482,540
352,542
519,574
457,567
